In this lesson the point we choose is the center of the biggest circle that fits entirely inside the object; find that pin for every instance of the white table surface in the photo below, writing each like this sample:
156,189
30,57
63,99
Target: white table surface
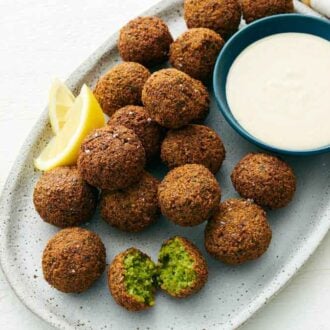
42,39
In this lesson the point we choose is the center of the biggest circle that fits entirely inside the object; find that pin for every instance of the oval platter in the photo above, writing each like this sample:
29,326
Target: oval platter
231,295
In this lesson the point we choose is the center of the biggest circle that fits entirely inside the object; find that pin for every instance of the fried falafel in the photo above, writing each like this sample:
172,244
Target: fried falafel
145,40
134,208
132,280
238,232
111,158
63,199
266,179
189,195
255,9
133,277
120,86
148,131
73,260
173,99
193,144
222,16
195,52
182,269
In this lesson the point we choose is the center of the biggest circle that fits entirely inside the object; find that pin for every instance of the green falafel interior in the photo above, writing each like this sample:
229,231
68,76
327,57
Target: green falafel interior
140,274
176,267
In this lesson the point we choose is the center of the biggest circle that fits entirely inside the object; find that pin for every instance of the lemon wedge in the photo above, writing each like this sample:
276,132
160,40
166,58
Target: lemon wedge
60,102
84,116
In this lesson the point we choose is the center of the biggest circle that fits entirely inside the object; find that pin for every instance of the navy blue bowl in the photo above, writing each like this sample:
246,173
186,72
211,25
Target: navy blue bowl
248,35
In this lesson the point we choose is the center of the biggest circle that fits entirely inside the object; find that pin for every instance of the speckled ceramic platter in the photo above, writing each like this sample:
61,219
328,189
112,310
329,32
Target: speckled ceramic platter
231,295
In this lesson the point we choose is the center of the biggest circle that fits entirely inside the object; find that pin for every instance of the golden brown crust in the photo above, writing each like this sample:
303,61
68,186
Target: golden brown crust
137,119
120,86
195,52
116,284
145,40
193,144
200,268
63,199
173,99
73,259
238,232
255,9
111,158
266,179
189,195
222,16
134,208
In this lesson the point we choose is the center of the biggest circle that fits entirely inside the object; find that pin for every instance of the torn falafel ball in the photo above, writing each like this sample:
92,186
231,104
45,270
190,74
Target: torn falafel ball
173,99
195,52
182,269
189,195
111,158
193,144
132,280
63,199
266,179
145,40
255,9
137,119
222,16
134,208
73,260
238,232
120,86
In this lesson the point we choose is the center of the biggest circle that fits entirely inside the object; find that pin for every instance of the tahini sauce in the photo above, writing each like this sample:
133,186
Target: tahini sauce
278,89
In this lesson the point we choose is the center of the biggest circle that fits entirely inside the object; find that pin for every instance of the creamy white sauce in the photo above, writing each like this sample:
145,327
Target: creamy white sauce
278,89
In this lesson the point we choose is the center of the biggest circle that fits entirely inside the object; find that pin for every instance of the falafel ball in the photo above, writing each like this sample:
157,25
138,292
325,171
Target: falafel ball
145,40
238,232
121,85
182,268
195,52
222,16
73,260
189,195
173,99
63,199
134,208
137,119
255,9
266,179
193,144
111,158
131,280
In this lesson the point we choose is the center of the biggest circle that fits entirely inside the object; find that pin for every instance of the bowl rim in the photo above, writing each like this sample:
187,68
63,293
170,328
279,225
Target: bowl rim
223,106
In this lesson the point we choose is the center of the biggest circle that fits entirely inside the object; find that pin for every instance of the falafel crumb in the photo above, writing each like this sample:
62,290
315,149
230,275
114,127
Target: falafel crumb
139,276
176,267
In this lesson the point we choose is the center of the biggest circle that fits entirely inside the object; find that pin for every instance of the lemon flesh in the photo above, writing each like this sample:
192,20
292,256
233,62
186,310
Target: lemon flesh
60,102
85,116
